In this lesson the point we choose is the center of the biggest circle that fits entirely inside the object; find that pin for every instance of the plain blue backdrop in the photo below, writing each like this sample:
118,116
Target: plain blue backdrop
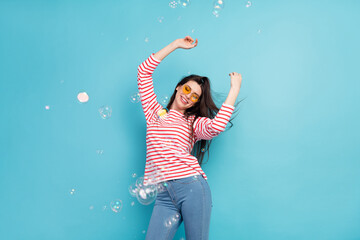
288,169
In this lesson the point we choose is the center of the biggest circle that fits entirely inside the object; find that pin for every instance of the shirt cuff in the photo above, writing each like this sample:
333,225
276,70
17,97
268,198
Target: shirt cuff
153,56
229,106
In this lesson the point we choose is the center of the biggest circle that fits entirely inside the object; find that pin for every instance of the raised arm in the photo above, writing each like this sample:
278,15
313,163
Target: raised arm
148,99
206,128
185,43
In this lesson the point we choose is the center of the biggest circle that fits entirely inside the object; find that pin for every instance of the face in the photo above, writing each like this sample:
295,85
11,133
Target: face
187,94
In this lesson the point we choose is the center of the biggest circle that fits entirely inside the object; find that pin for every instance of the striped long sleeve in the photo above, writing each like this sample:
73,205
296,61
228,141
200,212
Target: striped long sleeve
169,141
148,99
206,128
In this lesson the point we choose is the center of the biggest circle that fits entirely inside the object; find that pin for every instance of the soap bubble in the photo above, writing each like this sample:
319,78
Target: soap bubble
173,4
147,194
133,189
164,100
72,191
134,175
135,97
218,6
47,107
140,182
184,3
248,4
160,19
146,39
105,112
116,205
82,97
161,187
171,221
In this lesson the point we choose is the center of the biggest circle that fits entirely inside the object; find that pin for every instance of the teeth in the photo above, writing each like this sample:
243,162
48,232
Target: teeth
184,100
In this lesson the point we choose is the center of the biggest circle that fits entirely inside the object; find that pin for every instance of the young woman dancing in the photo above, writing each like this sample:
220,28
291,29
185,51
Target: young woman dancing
190,117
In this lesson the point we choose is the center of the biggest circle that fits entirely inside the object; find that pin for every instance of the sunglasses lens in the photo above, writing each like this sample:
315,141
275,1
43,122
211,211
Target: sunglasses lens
186,89
194,98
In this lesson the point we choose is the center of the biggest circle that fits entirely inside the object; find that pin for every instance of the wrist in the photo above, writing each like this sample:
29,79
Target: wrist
235,89
174,45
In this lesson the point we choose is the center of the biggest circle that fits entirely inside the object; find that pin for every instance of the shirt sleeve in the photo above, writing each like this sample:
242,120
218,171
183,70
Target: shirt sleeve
146,89
206,128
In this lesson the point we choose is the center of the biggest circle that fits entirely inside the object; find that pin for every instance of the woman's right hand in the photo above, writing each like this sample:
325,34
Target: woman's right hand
185,43
235,80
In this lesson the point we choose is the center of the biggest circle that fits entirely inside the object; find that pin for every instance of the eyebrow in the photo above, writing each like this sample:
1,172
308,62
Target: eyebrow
191,89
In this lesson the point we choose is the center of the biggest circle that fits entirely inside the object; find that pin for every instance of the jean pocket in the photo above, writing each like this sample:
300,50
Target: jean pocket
188,180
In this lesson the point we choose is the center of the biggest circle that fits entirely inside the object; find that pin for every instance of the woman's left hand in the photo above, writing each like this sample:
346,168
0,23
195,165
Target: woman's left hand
186,42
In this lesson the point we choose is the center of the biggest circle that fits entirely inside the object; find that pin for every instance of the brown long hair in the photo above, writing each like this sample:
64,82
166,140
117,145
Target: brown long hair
205,107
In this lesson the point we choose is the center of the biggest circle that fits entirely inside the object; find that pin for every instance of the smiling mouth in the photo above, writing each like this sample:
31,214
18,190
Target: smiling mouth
183,100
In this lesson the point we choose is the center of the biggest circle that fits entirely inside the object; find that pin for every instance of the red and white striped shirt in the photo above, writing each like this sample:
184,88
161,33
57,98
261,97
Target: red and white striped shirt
169,140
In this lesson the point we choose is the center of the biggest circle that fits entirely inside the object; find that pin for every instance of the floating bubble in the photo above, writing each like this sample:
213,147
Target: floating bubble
147,194
161,187
99,151
171,221
91,207
133,175
173,4
140,182
219,4
127,38
116,205
195,177
105,112
184,3
218,7
160,19
248,4
47,107
133,189
83,97
72,191
164,100
132,204
259,31
215,13
146,39
135,97
143,231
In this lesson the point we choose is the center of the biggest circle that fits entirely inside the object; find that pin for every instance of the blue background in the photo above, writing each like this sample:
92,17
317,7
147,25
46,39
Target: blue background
288,169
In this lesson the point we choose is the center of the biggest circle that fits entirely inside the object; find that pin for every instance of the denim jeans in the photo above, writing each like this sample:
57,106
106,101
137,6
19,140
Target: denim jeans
185,200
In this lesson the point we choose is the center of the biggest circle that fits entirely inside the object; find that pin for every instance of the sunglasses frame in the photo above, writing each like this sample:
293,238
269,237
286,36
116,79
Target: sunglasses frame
193,94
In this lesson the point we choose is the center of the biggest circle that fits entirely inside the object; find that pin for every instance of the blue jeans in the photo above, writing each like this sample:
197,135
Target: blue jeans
185,200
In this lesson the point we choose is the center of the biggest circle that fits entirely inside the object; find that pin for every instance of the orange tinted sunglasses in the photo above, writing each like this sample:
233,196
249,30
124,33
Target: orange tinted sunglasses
187,89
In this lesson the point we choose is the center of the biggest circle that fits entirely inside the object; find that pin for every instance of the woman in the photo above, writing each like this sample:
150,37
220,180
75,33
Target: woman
170,138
